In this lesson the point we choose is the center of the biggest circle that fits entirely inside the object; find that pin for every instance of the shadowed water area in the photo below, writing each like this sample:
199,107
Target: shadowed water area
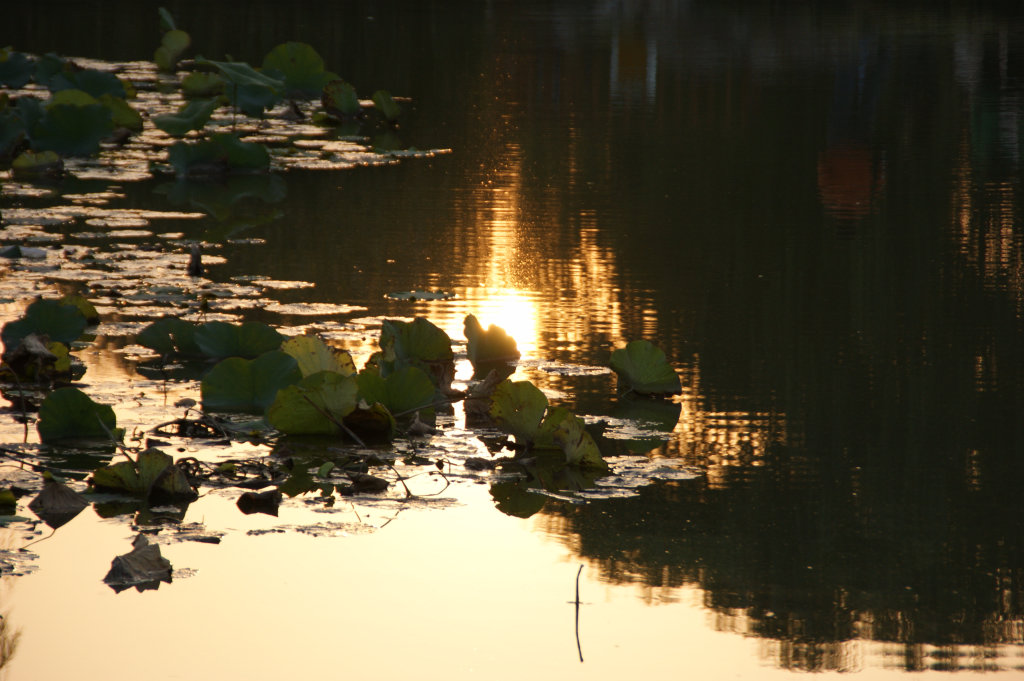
814,211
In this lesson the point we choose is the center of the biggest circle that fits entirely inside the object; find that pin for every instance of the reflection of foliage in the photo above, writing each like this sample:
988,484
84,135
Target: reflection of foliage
9,639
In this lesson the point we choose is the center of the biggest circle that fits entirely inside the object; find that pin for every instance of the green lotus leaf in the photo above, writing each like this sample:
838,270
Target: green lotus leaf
339,99
313,355
580,449
12,133
48,67
41,164
202,84
248,385
168,335
60,321
642,368
94,82
517,407
416,340
300,67
69,414
192,116
122,114
71,97
386,105
248,340
166,19
490,345
371,421
221,154
72,130
16,69
87,309
249,90
172,46
403,392
315,405
152,475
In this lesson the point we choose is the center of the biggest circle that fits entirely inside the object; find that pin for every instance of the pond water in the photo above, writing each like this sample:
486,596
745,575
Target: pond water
815,213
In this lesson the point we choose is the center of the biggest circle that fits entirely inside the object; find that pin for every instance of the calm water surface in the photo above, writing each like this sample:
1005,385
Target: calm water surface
815,213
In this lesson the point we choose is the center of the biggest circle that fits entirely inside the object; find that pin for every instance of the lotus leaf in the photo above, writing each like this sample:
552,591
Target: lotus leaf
60,321
71,97
48,67
202,84
249,90
121,113
249,339
153,476
642,368
168,335
35,359
12,133
517,407
94,82
68,413
492,345
580,449
339,99
248,385
313,355
42,164
515,498
221,154
172,46
403,392
301,69
87,309
166,19
386,105
192,116
315,405
416,343
16,69
371,420
72,130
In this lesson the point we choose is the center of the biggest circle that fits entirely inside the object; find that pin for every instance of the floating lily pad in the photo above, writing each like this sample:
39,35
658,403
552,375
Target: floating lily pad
92,81
420,295
69,414
642,368
248,385
315,405
313,355
248,90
